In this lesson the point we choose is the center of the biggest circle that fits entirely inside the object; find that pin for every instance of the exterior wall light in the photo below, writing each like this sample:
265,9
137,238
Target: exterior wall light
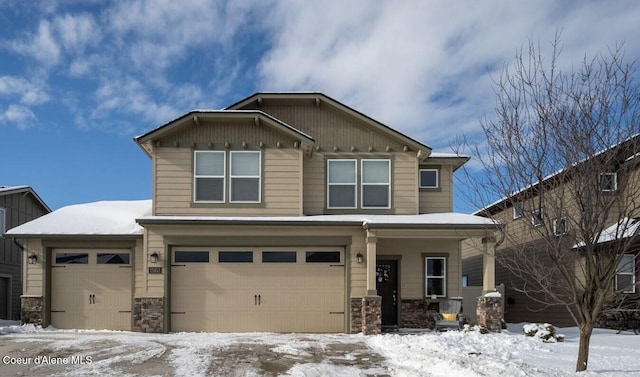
33,259
359,258
153,258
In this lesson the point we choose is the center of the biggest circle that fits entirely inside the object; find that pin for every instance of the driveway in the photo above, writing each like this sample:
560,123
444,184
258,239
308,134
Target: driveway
80,353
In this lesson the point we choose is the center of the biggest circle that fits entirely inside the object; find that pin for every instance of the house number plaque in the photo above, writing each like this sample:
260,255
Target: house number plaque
155,270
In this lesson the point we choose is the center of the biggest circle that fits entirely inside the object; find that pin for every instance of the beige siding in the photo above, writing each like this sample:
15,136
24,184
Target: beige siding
440,199
281,185
412,253
153,285
33,279
404,186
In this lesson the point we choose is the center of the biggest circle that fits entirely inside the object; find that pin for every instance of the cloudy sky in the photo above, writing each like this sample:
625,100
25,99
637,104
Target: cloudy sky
79,79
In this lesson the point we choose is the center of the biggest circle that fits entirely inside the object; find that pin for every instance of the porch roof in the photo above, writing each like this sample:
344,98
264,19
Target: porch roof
425,221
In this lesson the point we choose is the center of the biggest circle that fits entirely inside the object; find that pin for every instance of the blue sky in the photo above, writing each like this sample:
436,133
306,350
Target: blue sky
80,79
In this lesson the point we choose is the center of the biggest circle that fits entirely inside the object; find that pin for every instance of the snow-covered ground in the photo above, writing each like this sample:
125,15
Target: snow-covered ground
418,354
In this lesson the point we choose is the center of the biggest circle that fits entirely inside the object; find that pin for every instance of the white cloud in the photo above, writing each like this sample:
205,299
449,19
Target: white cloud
18,115
424,67
42,45
30,93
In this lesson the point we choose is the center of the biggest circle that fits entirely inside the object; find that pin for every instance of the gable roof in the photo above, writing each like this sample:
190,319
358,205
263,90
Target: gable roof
260,117
423,150
504,202
8,190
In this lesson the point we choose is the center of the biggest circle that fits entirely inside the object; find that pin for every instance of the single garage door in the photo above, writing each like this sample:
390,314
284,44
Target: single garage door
264,289
91,289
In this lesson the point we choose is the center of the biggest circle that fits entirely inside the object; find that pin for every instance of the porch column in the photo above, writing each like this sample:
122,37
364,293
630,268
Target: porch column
371,264
488,264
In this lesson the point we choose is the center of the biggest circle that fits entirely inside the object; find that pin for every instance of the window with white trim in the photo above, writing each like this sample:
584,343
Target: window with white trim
376,183
537,216
245,177
560,226
428,178
3,222
209,176
626,274
435,276
608,182
518,210
341,184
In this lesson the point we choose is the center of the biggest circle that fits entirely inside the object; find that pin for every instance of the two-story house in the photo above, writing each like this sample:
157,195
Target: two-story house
18,204
283,212
547,228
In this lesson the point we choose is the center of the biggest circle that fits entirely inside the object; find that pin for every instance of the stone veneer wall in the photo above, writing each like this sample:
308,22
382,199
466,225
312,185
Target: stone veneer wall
356,315
371,315
489,313
414,315
148,314
31,310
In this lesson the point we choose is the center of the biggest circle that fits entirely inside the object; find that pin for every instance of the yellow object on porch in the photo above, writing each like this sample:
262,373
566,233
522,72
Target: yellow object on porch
449,316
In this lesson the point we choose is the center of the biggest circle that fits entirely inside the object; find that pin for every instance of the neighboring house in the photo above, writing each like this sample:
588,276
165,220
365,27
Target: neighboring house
283,212
528,220
18,204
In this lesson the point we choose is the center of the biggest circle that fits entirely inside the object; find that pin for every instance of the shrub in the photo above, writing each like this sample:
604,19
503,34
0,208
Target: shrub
546,332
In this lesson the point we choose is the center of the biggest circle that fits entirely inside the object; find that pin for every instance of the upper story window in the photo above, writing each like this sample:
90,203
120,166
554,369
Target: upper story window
537,217
608,182
560,226
626,274
209,176
242,179
376,183
429,178
518,210
245,177
342,183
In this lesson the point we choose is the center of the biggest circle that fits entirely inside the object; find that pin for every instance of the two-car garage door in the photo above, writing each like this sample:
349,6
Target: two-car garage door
258,289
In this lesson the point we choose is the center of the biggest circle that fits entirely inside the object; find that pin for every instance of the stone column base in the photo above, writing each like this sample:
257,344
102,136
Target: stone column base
31,310
489,313
356,315
148,314
372,315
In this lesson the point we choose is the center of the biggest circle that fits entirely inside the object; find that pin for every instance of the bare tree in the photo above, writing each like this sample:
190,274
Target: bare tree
562,151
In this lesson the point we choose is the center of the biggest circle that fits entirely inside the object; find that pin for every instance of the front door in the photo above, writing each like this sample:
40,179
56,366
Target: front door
387,287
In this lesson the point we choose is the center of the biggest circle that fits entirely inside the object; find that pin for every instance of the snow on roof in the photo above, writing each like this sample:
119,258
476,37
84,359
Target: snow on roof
625,228
447,155
98,218
433,219
123,218
12,188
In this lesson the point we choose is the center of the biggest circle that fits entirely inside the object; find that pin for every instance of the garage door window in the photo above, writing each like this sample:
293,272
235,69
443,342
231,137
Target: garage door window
323,257
72,258
235,257
278,257
113,258
192,256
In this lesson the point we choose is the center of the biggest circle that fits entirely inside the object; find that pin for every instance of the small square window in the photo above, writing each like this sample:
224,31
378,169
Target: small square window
429,178
560,226
518,210
608,182
537,216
